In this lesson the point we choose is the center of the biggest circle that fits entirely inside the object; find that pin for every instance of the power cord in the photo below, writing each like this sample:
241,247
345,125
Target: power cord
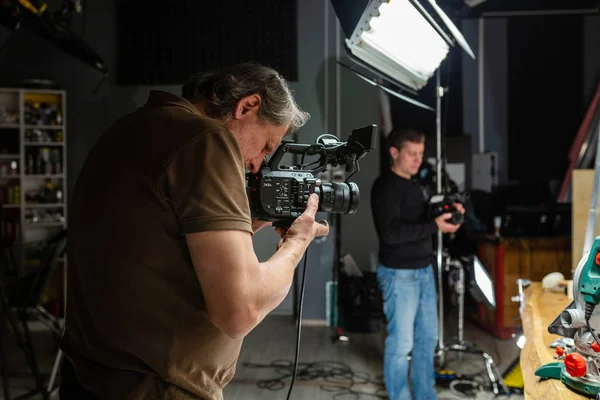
299,325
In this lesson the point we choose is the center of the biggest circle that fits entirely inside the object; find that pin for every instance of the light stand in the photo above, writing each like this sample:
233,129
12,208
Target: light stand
337,266
461,346
439,92
456,269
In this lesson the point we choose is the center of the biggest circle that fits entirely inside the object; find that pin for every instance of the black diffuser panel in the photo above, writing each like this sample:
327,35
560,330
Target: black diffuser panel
167,42
545,94
536,5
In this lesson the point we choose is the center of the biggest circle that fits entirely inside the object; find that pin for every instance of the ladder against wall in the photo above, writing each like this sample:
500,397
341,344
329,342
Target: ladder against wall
33,180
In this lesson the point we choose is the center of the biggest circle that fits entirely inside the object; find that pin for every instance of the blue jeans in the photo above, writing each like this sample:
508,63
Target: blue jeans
410,307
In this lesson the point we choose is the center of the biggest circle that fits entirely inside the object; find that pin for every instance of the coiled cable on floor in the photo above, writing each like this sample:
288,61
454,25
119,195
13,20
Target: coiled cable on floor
335,377
469,389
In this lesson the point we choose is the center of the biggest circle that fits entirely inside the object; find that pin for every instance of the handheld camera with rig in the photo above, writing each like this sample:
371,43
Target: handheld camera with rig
444,203
279,193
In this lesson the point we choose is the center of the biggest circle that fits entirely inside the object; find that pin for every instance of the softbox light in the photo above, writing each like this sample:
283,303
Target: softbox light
481,285
405,41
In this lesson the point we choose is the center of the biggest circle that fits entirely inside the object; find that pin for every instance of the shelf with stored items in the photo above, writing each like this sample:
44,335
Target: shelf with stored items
33,178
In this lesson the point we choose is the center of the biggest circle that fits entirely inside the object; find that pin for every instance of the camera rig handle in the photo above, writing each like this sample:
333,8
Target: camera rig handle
331,151
290,147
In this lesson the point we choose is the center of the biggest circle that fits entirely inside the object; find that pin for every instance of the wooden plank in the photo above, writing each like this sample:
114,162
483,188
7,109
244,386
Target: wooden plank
540,309
583,180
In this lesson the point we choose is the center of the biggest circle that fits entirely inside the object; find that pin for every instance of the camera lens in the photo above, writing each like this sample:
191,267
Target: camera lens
338,197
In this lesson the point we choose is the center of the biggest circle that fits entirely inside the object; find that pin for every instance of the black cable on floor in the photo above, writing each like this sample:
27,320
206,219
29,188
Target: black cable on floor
337,378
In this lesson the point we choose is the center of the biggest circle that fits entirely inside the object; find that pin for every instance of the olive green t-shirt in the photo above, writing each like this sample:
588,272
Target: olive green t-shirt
137,325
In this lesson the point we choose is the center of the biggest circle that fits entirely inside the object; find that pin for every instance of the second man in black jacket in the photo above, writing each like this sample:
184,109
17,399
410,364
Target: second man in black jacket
405,272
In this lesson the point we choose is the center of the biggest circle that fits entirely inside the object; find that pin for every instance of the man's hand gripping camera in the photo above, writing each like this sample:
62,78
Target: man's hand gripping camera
440,204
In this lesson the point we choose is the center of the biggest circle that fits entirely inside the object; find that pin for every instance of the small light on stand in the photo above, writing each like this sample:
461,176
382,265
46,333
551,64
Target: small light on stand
481,285
468,273
497,226
521,342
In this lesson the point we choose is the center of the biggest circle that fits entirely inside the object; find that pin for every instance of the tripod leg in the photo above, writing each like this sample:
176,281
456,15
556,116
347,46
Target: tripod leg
461,308
4,365
55,369
4,315
496,379
27,348
494,375
30,355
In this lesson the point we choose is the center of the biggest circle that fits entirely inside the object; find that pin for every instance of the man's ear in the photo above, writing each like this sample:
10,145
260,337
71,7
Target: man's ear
247,106
394,153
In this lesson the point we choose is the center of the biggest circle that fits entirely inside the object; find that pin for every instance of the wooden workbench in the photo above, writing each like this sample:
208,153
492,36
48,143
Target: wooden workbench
540,309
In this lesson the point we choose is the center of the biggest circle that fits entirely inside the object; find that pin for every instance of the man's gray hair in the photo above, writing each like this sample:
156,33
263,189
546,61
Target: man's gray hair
221,90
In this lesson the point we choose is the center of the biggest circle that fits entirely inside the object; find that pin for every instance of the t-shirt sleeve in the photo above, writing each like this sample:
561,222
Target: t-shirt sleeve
207,184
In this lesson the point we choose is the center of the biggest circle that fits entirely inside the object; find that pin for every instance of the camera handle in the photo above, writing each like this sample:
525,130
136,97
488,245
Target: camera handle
301,149
330,151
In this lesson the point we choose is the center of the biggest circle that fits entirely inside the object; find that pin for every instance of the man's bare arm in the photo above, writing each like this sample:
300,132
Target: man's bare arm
238,289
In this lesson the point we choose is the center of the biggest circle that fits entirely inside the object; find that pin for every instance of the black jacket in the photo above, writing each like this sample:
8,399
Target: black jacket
399,211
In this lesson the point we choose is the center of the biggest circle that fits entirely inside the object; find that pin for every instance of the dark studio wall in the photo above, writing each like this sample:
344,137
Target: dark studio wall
591,57
539,75
174,40
93,105
545,94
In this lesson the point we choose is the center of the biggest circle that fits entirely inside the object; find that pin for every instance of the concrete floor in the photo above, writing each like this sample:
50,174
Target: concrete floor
354,367
360,359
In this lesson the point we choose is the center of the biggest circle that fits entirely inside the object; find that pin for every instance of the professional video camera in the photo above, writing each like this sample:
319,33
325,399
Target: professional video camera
279,193
444,203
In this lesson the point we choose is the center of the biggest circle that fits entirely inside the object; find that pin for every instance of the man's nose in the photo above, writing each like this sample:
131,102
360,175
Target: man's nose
255,165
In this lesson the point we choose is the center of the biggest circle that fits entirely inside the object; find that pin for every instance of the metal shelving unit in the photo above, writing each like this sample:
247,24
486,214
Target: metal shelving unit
33,164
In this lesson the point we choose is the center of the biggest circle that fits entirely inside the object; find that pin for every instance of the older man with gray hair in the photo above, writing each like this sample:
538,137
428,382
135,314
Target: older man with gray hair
163,281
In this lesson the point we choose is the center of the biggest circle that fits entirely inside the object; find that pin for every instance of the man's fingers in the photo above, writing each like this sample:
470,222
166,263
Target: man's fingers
447,215
313,205
460,208
322,230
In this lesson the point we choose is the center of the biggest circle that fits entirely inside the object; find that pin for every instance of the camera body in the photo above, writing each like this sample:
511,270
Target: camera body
444,203
279,193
